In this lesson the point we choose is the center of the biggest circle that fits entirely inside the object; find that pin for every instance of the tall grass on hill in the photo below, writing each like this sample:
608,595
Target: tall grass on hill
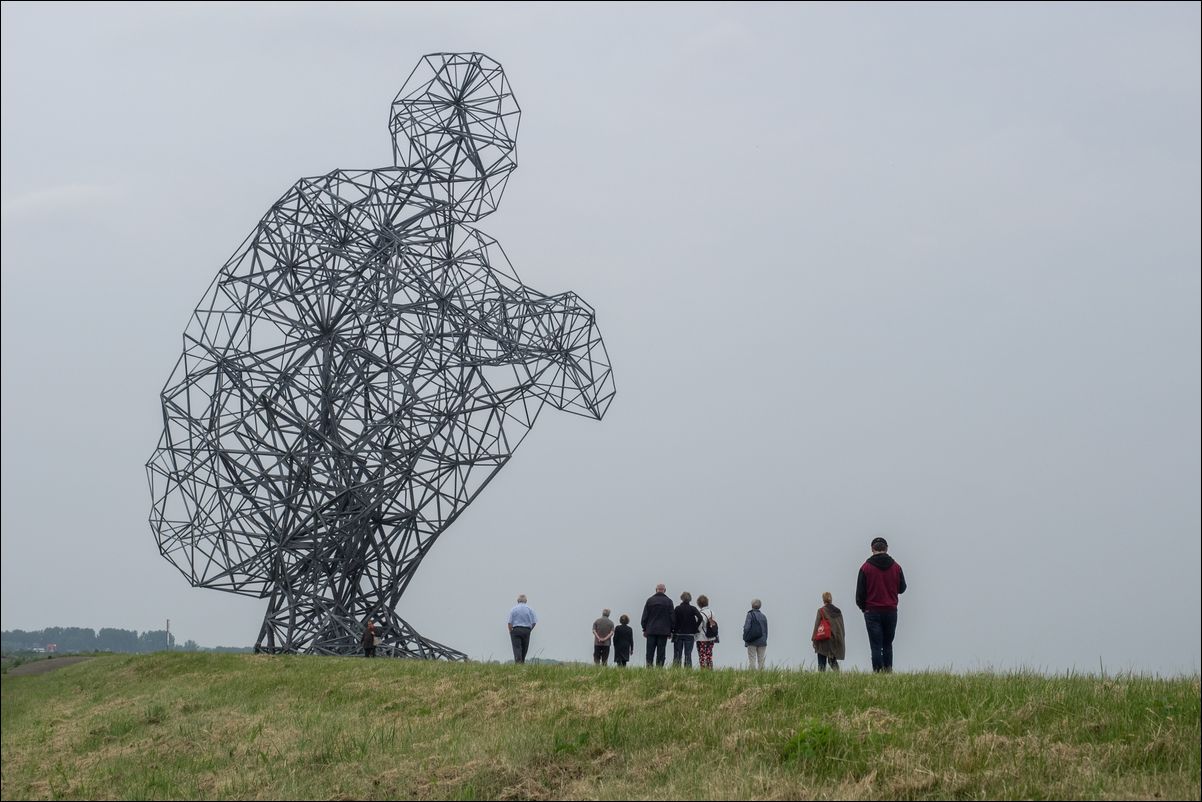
191,726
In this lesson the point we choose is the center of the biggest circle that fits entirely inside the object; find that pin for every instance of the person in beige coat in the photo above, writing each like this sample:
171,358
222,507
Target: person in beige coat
832,649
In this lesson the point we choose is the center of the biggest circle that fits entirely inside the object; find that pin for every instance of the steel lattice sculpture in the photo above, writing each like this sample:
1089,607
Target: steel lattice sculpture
359,370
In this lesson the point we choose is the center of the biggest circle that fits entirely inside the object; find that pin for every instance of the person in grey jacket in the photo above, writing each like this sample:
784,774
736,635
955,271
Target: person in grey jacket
755,635
603,635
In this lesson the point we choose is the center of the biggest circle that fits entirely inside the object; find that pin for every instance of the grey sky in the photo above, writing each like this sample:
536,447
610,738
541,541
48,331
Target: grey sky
930,272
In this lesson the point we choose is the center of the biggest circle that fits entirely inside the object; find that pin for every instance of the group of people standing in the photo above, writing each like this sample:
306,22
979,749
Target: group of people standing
684,624
878,584
688,626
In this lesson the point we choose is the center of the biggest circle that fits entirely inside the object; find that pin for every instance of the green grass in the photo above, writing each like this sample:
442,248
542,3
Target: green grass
245,726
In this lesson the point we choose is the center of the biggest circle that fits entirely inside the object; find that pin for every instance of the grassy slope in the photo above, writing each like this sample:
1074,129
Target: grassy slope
198,725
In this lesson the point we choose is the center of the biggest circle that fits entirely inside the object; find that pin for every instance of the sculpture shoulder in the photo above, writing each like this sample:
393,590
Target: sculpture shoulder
320,210
343,190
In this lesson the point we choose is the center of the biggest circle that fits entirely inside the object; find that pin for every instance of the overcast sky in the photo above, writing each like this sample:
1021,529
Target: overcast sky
929,272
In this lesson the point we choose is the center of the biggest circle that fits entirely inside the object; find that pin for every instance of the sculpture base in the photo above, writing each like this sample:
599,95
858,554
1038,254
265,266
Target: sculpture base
342,635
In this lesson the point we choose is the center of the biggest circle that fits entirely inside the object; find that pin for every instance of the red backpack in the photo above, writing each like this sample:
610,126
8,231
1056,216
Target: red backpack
823,632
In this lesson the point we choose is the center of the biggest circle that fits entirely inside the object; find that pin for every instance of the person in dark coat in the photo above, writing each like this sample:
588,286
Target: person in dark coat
685,623
657,625
369,640
833,649
623,641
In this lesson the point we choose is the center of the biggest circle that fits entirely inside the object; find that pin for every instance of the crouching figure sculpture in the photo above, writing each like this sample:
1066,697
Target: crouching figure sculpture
359,370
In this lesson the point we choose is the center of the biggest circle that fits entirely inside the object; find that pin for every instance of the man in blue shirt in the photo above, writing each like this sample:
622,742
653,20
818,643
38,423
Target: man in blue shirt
521,621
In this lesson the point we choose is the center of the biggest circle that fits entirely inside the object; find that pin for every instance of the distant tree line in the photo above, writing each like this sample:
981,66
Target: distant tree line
108,639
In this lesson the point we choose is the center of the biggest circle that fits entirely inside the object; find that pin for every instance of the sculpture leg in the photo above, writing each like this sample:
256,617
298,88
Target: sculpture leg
402,640
321,625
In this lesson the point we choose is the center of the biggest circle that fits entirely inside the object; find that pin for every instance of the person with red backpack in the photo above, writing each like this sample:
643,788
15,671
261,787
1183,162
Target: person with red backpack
828,636
877,587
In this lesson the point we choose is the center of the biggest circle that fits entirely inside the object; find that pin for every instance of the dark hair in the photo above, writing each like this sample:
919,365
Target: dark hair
625,619
880,544
703,600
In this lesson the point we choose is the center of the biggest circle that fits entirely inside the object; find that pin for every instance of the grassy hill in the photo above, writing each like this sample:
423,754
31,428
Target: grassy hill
247,726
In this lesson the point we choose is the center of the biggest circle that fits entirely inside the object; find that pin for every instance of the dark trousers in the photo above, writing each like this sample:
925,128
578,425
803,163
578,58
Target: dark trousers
881,624
601,654
823,660
521,643
369,651
682,645
657,649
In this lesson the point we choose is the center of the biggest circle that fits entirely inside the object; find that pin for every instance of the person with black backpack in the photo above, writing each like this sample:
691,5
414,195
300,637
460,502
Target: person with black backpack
755,635
707,634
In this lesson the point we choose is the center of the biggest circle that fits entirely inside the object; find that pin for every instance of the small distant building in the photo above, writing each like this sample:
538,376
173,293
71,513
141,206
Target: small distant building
52,647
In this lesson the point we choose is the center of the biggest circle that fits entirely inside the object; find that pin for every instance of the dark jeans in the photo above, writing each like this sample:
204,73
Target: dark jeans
521,643
682,644
601,654
657,649
823,660
882,624
369,651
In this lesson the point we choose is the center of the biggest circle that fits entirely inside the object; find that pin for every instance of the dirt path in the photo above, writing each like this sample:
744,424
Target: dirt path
42,666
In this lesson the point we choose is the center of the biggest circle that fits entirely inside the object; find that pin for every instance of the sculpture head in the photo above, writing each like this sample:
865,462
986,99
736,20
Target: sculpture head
457,120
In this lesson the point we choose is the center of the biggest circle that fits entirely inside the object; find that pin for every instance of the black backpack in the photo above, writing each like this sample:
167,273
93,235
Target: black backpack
711,628
754,629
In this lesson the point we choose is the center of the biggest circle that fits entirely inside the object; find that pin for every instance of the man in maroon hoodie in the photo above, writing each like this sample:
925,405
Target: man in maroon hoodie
877,587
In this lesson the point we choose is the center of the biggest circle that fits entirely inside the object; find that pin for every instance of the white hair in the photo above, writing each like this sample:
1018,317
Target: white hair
755,604
521,598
